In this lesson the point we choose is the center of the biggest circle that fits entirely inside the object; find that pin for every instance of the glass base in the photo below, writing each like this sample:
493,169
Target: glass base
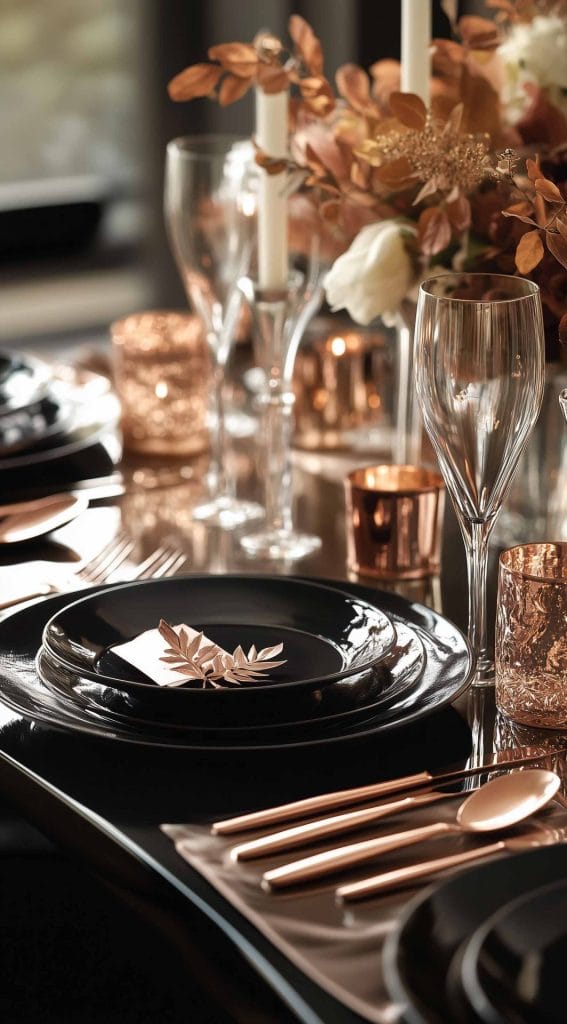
227,513
280,544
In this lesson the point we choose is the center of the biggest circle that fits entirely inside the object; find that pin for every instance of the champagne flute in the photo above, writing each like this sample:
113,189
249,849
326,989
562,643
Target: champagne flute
480,366
208,213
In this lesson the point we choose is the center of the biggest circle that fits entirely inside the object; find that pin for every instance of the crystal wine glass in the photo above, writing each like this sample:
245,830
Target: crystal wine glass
208,215
480,364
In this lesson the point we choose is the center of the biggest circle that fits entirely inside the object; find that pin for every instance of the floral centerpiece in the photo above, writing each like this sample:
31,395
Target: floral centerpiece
474,182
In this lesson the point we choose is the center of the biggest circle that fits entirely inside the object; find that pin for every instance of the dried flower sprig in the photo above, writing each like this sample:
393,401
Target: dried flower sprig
265,63
209,664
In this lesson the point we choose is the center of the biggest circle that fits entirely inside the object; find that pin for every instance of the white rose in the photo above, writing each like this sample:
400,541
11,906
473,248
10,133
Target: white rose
536,54
372,277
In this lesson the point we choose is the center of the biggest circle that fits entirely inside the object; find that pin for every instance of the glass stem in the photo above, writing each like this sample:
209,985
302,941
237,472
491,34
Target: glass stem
220,485
476,537
277,417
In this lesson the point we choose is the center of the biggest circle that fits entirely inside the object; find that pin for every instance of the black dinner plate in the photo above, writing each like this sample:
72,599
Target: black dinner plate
446,675
22,381
328,708
328,635
434,925
513,968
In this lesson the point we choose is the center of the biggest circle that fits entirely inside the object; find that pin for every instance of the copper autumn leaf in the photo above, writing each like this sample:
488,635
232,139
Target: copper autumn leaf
409,109
533,169
354,85
460,213
478,33
239,58
557,246
198,80
307,44
548,190
232,89
434,230
529,252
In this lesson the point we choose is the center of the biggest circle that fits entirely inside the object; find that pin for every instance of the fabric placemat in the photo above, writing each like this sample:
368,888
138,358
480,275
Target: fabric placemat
339,947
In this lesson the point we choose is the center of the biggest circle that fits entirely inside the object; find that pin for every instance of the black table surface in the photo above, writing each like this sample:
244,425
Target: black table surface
103,801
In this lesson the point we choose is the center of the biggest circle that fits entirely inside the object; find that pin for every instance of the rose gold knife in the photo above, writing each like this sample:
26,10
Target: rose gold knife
512,758
322,828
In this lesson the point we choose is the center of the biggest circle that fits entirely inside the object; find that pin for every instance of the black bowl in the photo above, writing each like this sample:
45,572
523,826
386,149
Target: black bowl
328,636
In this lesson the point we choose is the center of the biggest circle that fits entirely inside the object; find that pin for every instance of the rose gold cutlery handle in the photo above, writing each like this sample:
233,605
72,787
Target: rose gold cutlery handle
413,873
342,857
311,831
314,804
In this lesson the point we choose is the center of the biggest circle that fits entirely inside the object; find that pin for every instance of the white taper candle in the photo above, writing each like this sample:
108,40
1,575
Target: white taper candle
416,43
271,137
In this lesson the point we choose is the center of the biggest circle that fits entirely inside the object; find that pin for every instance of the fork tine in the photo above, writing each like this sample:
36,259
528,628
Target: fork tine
92,564
171,565
112,562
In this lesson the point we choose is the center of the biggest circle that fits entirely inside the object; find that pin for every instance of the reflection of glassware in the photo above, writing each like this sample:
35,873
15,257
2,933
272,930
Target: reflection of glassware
210,230
531,643
563,402
280,318
480,376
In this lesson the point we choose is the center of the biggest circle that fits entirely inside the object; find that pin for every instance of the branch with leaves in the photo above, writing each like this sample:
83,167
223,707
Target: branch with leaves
208,664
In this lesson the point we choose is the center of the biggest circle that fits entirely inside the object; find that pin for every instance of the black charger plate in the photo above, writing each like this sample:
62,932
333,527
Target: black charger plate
434,926
328,635
513,968
447,674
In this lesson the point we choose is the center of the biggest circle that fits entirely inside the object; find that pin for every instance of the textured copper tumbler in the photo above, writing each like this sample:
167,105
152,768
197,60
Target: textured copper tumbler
531,638
394,516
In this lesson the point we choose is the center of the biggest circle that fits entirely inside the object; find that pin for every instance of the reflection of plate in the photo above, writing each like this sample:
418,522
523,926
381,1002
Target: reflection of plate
514,966
327,635
330,707
436,923
22,381
446,674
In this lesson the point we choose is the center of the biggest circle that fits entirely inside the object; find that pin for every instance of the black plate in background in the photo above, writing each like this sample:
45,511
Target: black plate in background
513,968
418,956
446,676
22,380
34,428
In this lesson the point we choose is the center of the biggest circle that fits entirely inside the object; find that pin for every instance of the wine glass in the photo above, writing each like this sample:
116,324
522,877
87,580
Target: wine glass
208,213
480,365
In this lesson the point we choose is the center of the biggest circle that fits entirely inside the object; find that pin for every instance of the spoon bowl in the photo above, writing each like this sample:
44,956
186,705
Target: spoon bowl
507,800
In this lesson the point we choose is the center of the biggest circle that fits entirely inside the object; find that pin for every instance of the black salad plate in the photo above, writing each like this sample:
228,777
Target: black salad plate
22,381
327,635
434,926
446,674
513,968
325,710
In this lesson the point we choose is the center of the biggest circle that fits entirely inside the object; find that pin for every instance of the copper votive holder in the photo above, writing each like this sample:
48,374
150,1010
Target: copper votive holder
394,517
531,639
161,369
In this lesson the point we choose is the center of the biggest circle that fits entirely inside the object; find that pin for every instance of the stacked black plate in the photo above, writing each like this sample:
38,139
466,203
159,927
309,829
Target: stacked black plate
54,424
487,946
356,663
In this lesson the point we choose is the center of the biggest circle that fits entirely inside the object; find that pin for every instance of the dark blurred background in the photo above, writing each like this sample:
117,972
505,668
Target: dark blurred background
84,120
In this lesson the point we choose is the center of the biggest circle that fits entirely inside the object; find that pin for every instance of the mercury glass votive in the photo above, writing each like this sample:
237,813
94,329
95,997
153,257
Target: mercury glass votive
342,384
531,635
394,518
162,375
